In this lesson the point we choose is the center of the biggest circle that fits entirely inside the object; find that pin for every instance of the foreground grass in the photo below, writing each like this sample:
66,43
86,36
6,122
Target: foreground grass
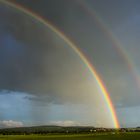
121,136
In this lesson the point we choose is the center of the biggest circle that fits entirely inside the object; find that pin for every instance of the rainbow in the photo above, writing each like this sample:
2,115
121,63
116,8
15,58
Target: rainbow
91,68
113,39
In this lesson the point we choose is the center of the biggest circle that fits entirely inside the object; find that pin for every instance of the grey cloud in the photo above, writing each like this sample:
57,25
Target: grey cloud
40,62
48,99
5,92
10,123
35,60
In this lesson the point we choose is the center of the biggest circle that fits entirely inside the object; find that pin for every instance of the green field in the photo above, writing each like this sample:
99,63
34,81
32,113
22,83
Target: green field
125,136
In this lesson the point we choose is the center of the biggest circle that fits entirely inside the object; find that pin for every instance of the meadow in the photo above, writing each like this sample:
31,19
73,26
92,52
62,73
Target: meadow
121,136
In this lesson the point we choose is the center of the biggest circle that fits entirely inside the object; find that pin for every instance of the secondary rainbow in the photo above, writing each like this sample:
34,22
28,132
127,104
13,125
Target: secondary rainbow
91,68
113,39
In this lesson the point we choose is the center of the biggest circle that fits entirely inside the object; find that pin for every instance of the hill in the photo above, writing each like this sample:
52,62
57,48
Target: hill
46,130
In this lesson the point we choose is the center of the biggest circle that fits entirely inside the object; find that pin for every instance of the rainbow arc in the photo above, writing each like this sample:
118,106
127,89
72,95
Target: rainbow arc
91,68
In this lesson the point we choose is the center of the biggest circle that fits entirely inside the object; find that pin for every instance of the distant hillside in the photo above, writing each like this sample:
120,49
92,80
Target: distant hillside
46,129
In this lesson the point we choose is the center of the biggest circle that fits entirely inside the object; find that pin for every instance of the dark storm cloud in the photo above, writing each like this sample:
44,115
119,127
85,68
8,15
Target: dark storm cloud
35,60
23,49
21,56
29,73
78,24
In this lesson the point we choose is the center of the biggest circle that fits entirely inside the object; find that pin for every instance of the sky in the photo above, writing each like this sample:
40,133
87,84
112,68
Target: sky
43,81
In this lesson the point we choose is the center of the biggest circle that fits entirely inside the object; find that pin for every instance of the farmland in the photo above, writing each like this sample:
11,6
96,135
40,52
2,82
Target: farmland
69,133
104,136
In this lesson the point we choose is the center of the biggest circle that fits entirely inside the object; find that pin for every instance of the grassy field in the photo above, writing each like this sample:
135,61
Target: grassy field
126,136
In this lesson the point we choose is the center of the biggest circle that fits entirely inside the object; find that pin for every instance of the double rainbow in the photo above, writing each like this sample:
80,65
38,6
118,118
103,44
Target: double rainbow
91,68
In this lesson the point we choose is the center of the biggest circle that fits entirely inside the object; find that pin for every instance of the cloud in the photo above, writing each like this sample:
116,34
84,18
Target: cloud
66,123
10,124
37,61
5,92
42,100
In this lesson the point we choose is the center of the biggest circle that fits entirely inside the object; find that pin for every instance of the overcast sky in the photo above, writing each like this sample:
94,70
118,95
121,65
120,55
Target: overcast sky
41,72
